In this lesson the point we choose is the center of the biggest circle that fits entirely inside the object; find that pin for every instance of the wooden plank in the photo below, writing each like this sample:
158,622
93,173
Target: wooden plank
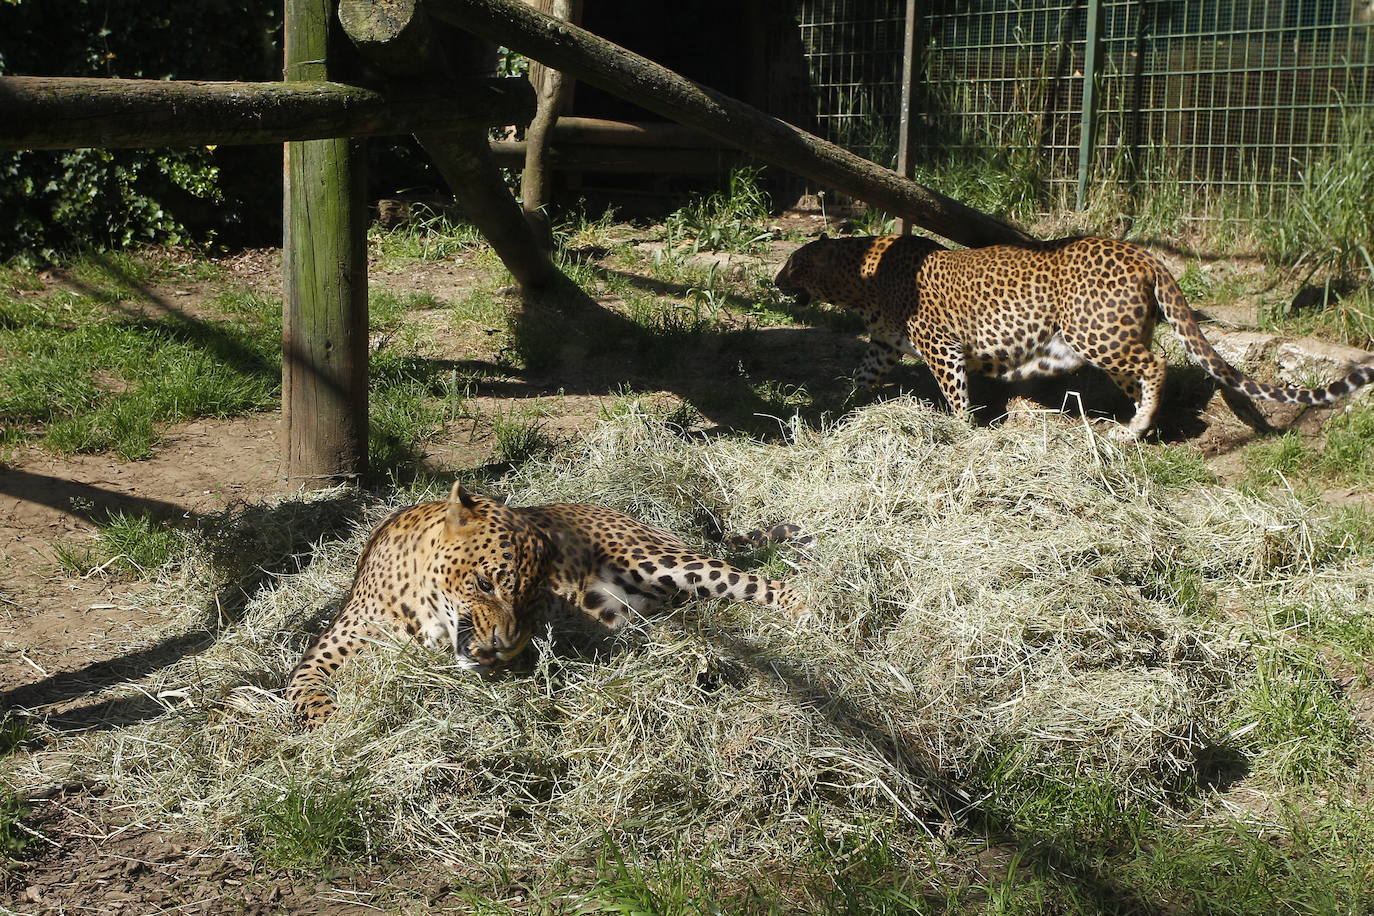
324,321
594,60
39,112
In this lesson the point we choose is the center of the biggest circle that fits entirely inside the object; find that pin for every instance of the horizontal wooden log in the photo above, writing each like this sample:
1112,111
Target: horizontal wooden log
621,160
592,59
38,112
600,132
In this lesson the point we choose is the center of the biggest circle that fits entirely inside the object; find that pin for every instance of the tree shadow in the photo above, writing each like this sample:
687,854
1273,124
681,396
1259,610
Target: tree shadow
738,379
86,501
175,321
248,550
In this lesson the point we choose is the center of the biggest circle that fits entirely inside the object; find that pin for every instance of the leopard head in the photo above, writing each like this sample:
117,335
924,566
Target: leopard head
805,275
495,565
842,271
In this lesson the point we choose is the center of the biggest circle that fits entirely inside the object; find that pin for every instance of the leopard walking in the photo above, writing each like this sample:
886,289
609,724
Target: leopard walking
1017,313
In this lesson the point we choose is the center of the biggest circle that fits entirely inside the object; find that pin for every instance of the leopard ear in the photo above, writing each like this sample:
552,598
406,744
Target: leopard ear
463,507
824,235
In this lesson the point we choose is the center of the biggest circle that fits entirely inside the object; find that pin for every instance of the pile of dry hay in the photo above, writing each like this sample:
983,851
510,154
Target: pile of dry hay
1026,598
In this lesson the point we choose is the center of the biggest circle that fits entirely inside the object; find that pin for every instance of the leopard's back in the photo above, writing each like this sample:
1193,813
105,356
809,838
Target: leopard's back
1004,304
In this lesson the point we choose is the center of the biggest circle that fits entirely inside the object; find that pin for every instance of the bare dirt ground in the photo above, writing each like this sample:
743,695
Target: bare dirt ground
54,626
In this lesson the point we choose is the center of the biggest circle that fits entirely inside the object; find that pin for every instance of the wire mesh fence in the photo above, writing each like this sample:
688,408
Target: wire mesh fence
1203,96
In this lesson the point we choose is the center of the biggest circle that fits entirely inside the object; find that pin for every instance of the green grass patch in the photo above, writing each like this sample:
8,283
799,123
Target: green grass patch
733,219
137,543
427,236
411,401
14,840
519,439
310,827
113,275
1346,457
1308,856
16,733
1295,722
1346,317
79,379
1175,466
481,306
125,546
386,308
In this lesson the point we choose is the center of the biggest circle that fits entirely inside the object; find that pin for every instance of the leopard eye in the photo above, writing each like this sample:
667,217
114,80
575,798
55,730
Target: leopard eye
485,584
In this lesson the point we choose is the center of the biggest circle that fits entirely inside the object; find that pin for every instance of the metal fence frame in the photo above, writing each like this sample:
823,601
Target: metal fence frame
1208,97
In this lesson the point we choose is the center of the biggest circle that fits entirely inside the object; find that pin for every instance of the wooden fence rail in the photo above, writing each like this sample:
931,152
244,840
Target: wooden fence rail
38,112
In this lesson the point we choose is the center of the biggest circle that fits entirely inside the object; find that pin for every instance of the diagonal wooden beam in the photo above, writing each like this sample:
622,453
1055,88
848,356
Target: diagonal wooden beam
592,59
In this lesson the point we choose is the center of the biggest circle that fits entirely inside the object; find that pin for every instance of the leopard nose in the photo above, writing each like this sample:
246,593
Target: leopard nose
482,655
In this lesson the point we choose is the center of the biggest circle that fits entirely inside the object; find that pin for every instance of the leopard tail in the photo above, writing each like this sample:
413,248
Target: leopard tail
1175,308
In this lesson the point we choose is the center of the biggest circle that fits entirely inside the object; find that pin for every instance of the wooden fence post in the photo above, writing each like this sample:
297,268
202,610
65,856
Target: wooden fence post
535,180
324,320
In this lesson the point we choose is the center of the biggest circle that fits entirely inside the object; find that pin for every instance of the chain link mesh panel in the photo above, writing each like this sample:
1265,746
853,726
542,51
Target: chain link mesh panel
1202,95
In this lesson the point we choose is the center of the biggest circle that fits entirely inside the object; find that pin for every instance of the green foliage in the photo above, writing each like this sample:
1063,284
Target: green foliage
59,201
1328,224
729,220
1193,283
870,221
14,840
996,168
309,827
1292,717
518,439
852,872
97,198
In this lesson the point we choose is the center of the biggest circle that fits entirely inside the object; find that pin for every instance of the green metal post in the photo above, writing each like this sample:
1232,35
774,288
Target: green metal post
1092,57
324,320
906,166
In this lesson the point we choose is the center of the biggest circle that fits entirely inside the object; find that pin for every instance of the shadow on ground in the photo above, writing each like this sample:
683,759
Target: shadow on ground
247,551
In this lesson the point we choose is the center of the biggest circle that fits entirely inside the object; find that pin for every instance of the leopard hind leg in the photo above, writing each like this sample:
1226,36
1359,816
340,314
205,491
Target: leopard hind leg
1139,373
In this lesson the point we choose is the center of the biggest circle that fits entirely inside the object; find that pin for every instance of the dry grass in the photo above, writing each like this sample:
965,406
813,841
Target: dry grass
1024,602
